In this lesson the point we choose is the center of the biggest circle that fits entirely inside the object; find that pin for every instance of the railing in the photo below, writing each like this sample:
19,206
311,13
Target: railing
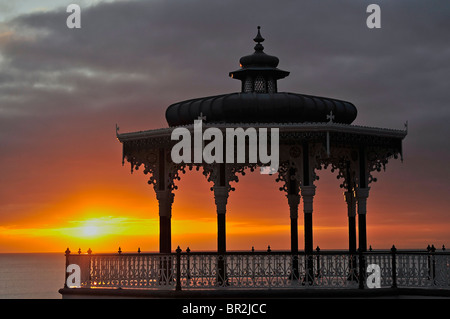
321,269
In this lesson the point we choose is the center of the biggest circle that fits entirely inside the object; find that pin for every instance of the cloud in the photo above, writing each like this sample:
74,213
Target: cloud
184,50
130,52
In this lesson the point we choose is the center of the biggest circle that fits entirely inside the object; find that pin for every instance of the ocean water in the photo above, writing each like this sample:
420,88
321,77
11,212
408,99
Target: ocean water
31,276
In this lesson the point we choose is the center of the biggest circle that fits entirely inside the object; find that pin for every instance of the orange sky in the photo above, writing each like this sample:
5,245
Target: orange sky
62,92
99,213
64,186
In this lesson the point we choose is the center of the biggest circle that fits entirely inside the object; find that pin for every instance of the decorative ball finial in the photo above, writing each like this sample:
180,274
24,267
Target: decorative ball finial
258,39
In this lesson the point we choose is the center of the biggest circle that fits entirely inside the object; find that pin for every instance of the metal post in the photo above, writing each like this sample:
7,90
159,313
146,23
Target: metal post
221,249
362,193
90,266
294,201
351,212
308,192
220,198
178,286
394,267
318,262
433,263
165,201
362,270
67,254
119,269
188,264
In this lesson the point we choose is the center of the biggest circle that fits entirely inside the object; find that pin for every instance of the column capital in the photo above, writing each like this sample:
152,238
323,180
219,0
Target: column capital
293,201
165,194
165,201
221,198
348,196
308,191
362,192
220,190
361,195
350,199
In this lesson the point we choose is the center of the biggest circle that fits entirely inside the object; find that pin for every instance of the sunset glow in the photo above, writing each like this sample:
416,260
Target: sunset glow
62,93
90,231
104,219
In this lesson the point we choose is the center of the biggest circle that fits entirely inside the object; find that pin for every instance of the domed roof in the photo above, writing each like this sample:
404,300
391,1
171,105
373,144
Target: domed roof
259,101
253,107
259,63
259,58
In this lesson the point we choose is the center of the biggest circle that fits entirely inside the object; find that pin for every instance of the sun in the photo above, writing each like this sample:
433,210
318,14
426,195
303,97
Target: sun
90,230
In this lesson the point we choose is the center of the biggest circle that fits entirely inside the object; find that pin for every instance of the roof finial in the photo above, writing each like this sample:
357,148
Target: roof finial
258,39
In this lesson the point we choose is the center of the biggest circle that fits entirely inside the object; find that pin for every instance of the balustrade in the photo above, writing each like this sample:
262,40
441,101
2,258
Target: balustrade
271,269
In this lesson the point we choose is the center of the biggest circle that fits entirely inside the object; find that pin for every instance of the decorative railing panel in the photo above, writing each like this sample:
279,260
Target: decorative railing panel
441,270
414,270
184,270
334,270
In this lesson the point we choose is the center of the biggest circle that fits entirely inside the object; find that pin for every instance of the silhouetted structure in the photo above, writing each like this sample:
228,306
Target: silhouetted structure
315,132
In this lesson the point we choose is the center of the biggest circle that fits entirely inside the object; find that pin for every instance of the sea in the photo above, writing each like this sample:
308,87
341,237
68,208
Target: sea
32,276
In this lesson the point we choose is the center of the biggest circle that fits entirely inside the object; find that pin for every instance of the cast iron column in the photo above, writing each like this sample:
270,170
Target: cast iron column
165,200
308,193
294,201
351,212
361,195
293,197
221,197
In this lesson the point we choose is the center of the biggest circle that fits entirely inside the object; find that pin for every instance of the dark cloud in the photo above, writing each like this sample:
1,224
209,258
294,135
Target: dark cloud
131,59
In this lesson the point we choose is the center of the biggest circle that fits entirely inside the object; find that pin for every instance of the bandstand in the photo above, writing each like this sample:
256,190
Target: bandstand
314,133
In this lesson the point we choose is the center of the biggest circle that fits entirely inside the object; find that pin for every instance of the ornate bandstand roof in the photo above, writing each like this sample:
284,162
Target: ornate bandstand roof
319,127
259,100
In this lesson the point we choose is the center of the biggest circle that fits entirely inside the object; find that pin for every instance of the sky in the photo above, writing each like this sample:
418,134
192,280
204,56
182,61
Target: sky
62,91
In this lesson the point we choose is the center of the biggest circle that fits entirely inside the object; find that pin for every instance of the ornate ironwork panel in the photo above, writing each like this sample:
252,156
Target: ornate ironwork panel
261,270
